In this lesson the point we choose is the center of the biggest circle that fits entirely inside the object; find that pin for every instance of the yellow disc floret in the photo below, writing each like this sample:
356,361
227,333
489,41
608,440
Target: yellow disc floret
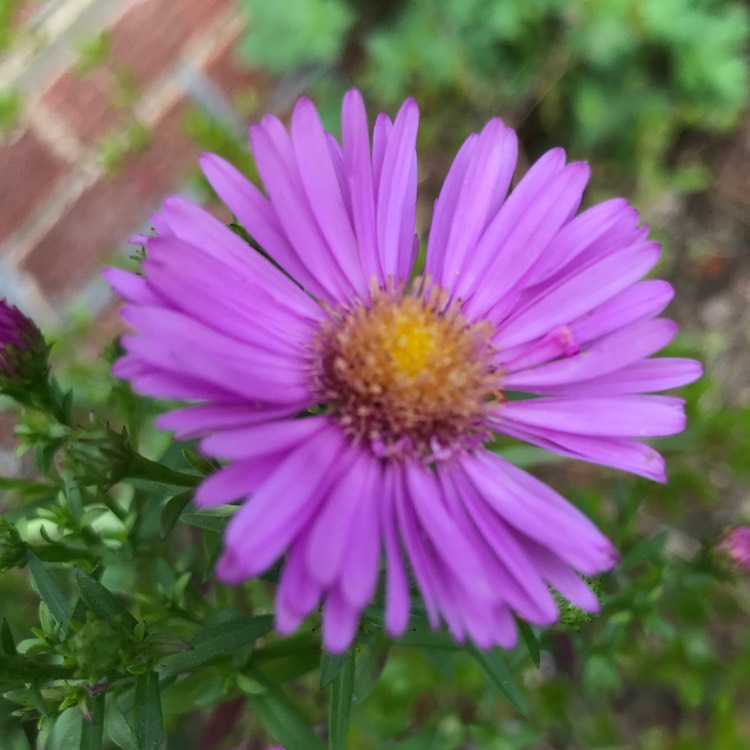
407,373
412,341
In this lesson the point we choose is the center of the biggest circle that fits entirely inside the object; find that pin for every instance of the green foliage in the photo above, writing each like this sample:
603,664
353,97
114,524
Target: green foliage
116,146
340,697
8,10
93,52
11,107
299,32
619,80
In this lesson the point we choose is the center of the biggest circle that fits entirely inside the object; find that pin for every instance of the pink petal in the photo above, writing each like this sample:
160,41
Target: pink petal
623,416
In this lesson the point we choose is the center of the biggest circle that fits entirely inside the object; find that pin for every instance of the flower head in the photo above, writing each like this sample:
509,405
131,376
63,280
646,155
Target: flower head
23,352
354,403
736,546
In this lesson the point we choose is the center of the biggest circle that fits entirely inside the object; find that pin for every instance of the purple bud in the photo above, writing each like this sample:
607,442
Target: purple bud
23,352
736,546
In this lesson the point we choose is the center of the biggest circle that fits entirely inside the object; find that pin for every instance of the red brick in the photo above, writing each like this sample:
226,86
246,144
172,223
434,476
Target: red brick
29,172
25,12
85,104
150,36
112,209
240,83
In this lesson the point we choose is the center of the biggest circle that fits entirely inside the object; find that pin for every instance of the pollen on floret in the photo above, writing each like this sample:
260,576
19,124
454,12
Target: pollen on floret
406,373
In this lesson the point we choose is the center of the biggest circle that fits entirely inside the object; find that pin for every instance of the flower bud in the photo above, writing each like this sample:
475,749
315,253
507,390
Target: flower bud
736,547
99,456
24,362
12,547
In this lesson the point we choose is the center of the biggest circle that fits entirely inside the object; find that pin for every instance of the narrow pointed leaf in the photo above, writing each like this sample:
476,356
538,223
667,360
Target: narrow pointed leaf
92,729
340,693
216,520
103,602
530,640
217,641
330,666
60,608
172,511
493,663
117,728
199,463
371,662
6,639
283,722
147,711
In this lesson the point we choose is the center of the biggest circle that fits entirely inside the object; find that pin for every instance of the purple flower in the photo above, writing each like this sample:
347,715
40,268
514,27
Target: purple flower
736,545
23,352
353,406
16,330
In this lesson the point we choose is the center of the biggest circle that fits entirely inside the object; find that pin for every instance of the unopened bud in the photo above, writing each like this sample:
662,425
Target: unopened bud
24,361
735,545
12,547
99,456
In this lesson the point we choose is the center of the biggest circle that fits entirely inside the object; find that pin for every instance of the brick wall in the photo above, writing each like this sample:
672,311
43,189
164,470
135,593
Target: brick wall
63,208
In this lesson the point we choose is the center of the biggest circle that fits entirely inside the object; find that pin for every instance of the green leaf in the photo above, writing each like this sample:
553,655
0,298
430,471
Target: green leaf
217,641
530,640
15,739
645,550
286,726
36,699
340,695
199,463
102,602
44,455
216,520
14,669
330,666
28,488
370,664
73,498
92,729
7,642
290,658
66,731
60,608
493,663
147,711
162,644
117,728
172,511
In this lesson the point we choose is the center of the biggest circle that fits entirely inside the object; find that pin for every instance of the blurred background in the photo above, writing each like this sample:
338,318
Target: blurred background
104,105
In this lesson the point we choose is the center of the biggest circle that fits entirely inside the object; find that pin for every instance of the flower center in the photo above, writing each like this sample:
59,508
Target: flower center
407,373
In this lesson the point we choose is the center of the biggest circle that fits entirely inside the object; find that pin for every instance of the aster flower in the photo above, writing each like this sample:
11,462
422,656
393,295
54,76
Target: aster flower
353,403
